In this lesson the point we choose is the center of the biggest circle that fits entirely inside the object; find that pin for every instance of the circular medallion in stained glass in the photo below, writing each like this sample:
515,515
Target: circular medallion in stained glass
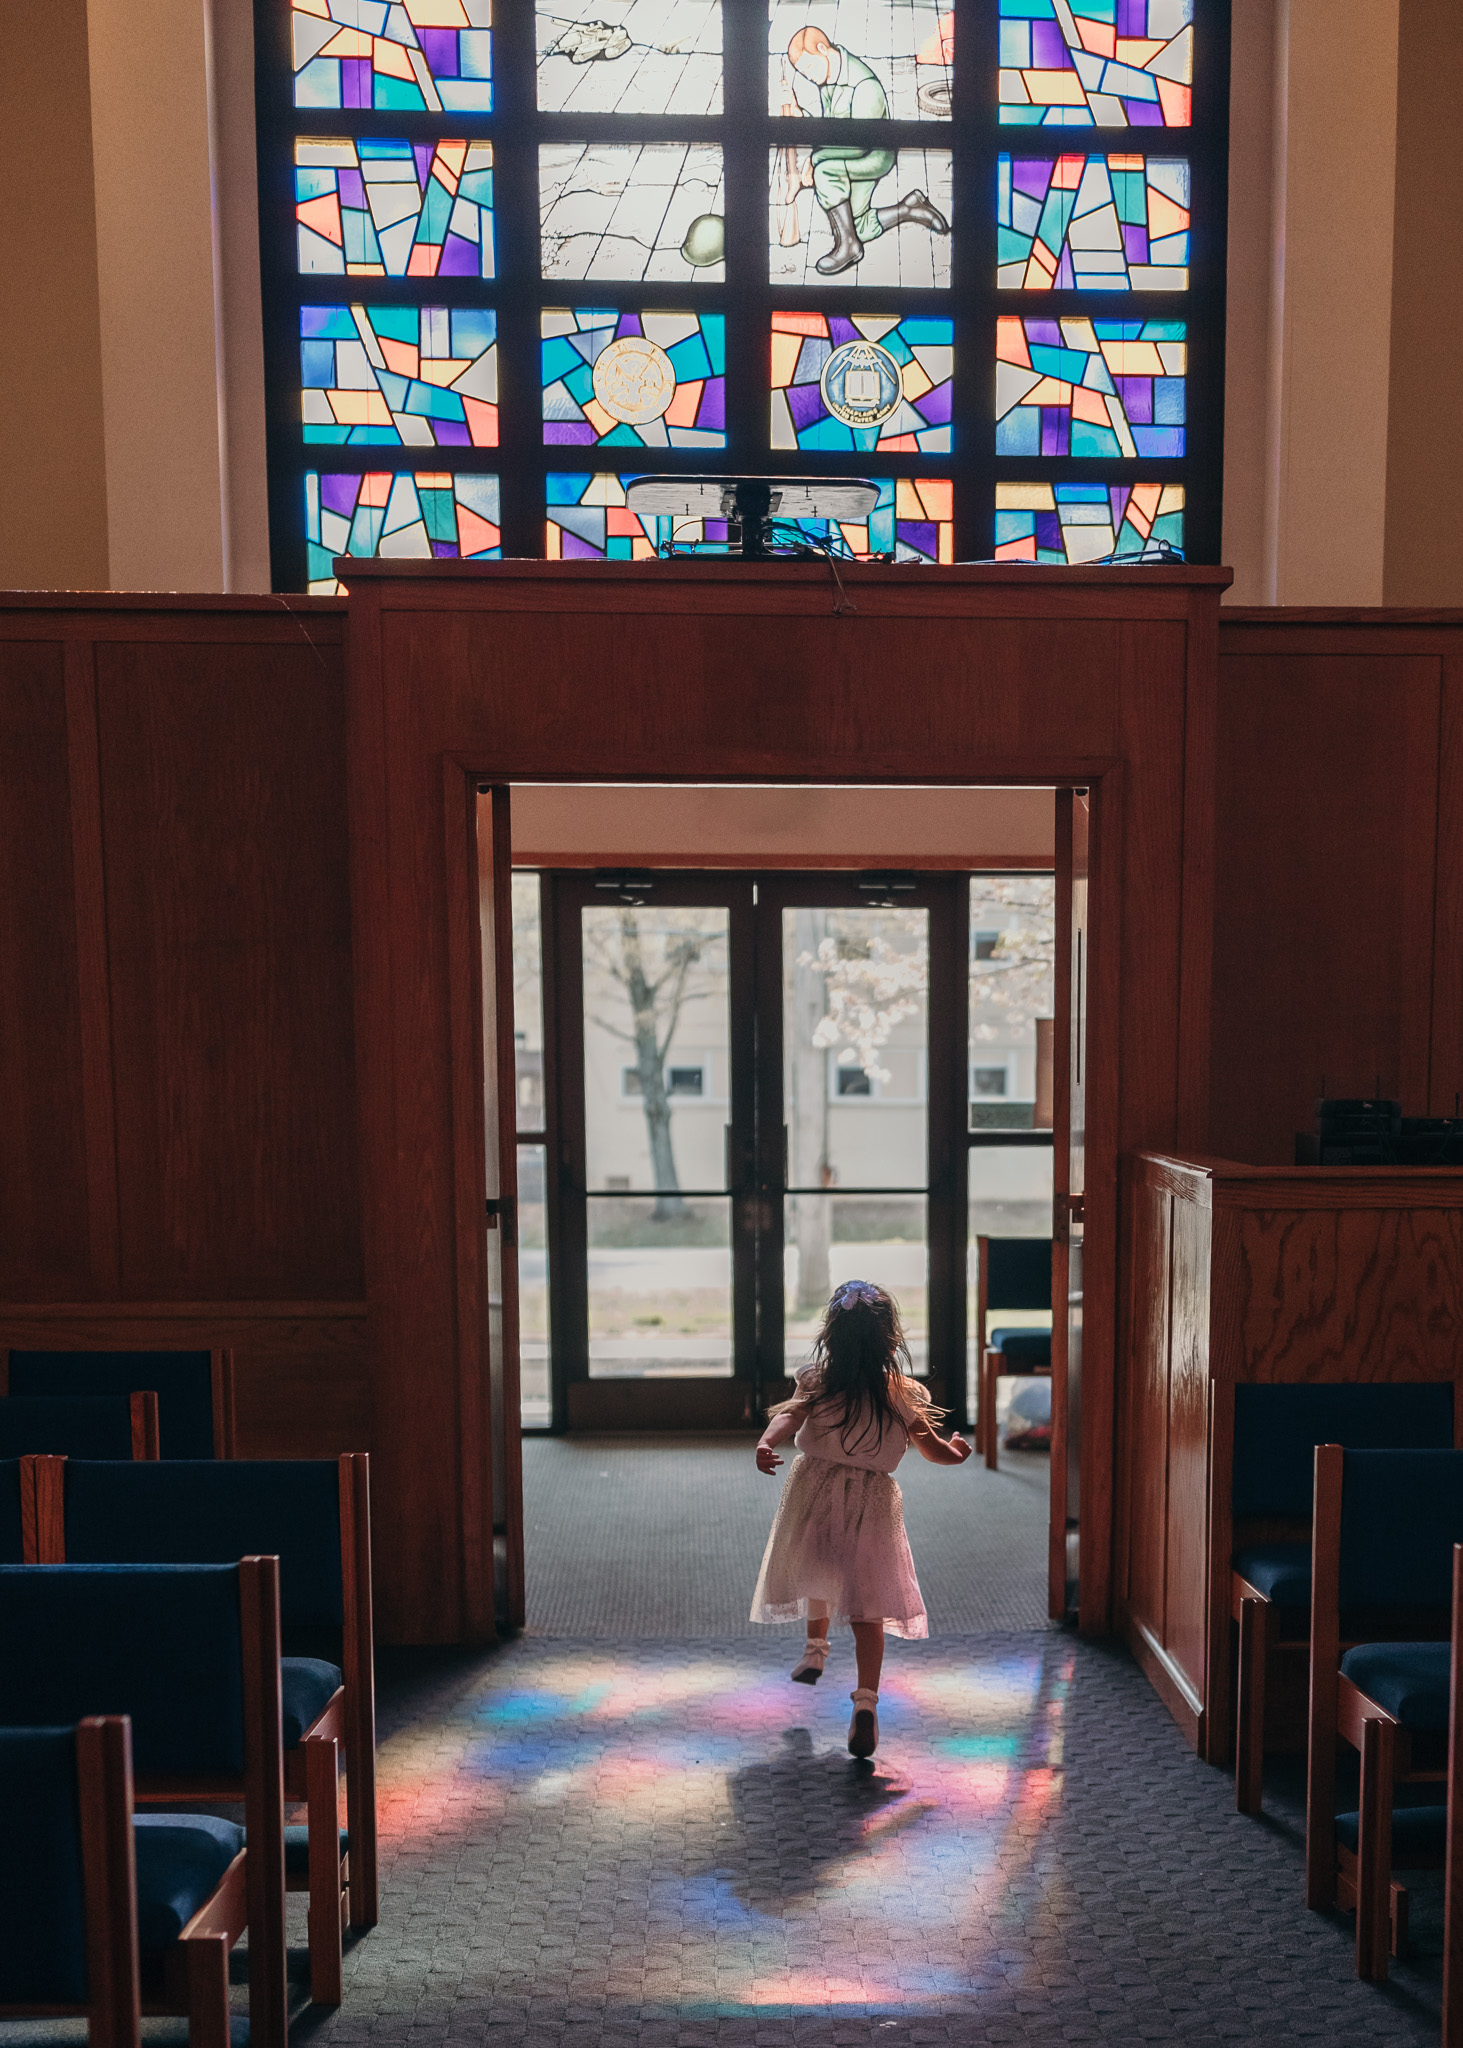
634,380
861,384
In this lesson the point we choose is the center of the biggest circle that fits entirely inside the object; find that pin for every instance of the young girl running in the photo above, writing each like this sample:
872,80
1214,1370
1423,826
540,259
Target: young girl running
838,1548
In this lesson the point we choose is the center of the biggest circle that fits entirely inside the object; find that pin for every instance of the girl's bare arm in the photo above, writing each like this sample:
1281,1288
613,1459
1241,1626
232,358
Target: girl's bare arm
937,1449
778,1430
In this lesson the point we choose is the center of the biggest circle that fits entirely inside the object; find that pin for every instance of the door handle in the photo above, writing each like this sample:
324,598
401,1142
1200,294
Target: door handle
503,1209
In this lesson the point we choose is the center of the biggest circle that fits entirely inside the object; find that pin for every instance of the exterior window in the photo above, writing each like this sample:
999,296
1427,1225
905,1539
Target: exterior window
970,250
851,1082
986,1082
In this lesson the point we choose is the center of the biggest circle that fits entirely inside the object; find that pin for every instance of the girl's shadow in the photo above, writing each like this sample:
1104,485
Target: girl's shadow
802,1811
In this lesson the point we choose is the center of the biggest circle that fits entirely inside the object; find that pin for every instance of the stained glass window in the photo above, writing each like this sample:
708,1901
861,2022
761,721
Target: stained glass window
1093,223
1105,388
606,238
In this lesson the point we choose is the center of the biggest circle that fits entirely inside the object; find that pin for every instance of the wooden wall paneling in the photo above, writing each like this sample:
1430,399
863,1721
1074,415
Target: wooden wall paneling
1151,739
1217,1734
1445,1062
1196,972
228,943
1186,1564
1056,1556
500,1070
45,1242
1102,1110
1146,1435
99,1105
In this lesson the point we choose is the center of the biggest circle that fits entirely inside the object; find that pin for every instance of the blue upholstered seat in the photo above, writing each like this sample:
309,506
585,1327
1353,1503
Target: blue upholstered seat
1276,1430
12,1547
158,1642
1419,1834
1022,1349
182,1381
307,1685
1281,1571
66,1426
42,1923
297,1849
1410,1681
180,1861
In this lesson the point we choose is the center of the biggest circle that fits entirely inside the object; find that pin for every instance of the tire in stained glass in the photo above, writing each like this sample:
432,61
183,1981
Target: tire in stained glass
633,57
378,206
412,515
633,380
1096,63
1105,389
404,56
393,376
870,381
632,211
849,214
1092,223
1073,523
860,60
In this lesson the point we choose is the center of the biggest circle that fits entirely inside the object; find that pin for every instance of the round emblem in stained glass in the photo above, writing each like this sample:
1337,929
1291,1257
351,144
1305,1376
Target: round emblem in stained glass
634,380
860,384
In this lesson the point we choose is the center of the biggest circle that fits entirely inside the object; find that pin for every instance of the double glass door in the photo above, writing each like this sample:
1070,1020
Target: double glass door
754,1089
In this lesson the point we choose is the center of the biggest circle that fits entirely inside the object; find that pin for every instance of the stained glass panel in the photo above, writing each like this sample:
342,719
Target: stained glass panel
1097,63
1075,523
629,210
415,56
383,207
1102,388
842,213
653,57
1092,223
588,520
421,515
634,380
861,60
385,376
866,381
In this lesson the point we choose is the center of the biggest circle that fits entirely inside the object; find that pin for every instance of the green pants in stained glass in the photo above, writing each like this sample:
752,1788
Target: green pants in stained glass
851,174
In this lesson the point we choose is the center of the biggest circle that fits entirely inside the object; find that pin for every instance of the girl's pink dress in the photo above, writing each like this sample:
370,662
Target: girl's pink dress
838,1550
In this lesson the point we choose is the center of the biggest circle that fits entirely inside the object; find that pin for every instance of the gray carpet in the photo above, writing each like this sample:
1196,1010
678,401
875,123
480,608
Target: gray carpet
662,1536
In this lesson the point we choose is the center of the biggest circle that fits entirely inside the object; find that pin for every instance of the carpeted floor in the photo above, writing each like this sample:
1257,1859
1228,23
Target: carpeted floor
662,1536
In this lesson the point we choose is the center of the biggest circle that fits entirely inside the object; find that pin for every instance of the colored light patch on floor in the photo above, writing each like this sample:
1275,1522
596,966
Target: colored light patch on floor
389,376
865,381
1073,523
1109,390
378,206
1096,63
421,515
407,56
1092,223
633,380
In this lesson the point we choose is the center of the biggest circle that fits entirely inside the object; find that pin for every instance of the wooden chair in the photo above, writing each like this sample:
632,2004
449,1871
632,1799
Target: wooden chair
79,1425
1276,1430
1010,1273
190,1653
107,1915
195,1390
1384,1531
315,1515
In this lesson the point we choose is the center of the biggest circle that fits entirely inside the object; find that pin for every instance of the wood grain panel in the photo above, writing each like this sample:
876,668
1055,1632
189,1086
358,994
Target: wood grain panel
224,838
1353,1294
44,1241
1445,1066
1145,1439
1151,731
1327,776
1186,1578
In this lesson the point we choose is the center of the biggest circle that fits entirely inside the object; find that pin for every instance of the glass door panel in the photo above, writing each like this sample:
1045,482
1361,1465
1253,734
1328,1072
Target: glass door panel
533,1288
1012,992
1010,1195
830,1239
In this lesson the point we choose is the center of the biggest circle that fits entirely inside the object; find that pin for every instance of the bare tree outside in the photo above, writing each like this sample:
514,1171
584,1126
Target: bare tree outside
1012,971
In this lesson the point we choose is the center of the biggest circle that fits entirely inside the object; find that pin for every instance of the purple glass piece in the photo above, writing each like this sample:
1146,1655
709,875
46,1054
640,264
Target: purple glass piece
352,190
922,534
1132,17
422,157
1135,243
1066,276
439,47
338,493
935,405
840,331
1144,113
568,434
1048,50
577,550
459,257
713,404
1049,532
1045,333
1031,175
452,434
1117,498
715,529
1137,396
1054,429
444,550
805,403
355,81
628,323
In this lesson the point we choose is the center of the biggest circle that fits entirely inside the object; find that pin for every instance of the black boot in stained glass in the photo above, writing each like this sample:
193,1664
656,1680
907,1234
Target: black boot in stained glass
918,210
847,248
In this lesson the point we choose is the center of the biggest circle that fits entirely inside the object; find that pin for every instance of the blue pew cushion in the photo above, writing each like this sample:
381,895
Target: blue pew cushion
297,1849
1410,1681
1020,1348
1276,1430
215,1511
42,1912
307,1685
180,1860
66,1426
1281,1571
182,1381
12,1546
1419,1834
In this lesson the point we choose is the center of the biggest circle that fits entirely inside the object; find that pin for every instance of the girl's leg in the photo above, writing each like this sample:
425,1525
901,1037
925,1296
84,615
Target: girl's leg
868,1644
818,1626
809,1667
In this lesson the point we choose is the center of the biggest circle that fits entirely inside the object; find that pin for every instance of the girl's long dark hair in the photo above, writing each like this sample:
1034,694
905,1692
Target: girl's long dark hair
861,1352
